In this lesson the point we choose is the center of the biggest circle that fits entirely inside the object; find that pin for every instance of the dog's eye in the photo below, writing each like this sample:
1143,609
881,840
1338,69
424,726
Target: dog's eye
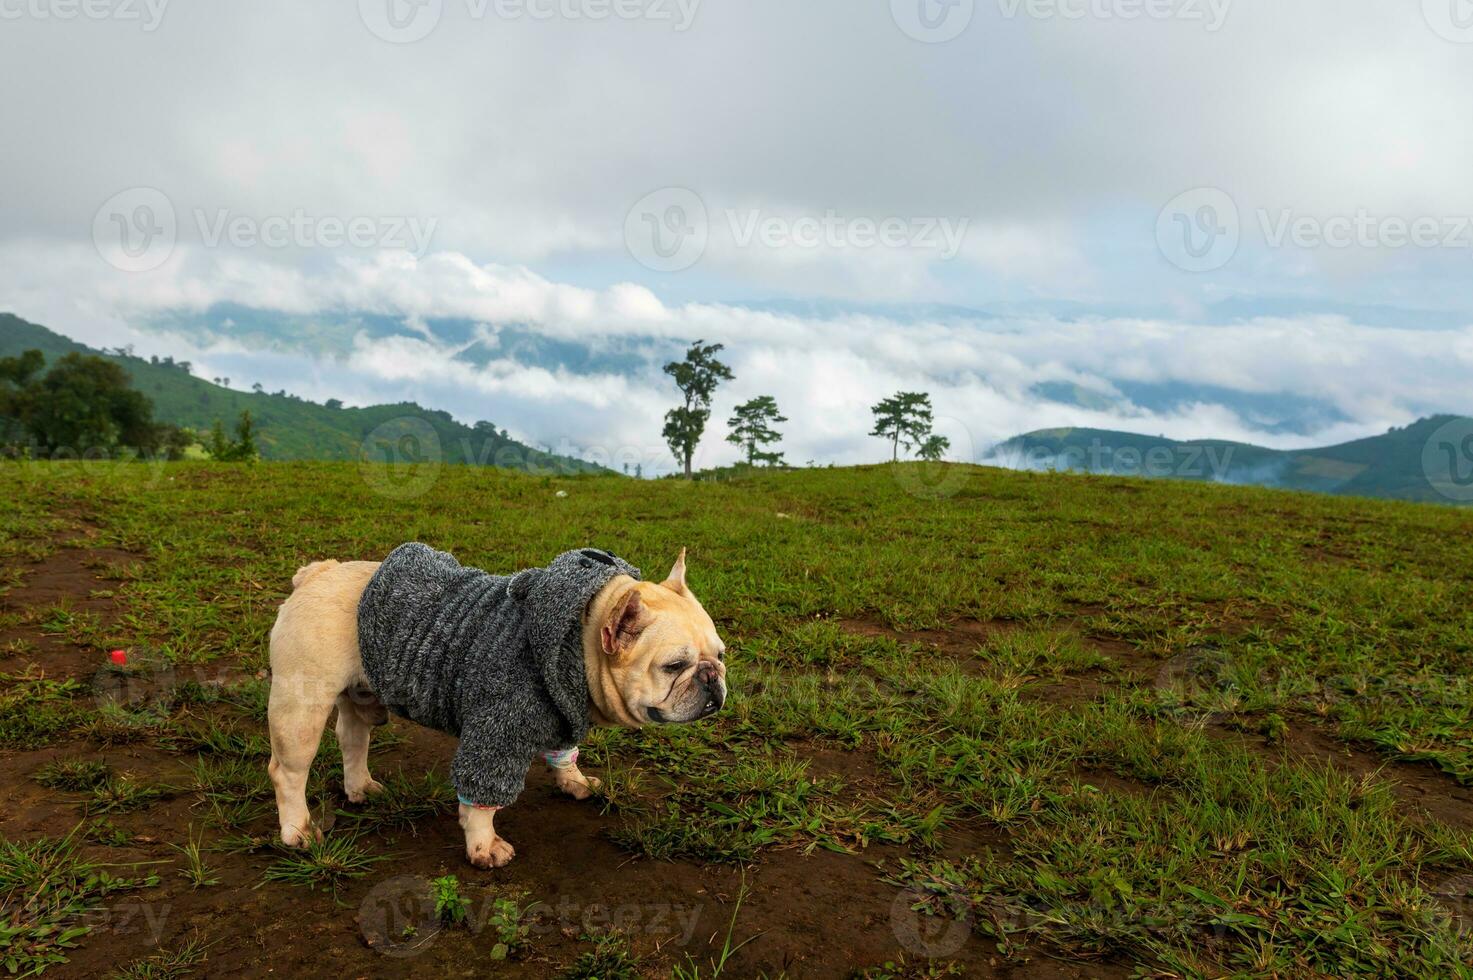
676,667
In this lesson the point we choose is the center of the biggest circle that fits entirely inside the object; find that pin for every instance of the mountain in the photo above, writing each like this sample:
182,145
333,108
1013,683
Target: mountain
293,428
1430,460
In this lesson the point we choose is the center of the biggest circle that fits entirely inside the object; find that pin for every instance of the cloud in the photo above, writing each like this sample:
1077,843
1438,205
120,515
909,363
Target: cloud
527,139
983,373
1053,140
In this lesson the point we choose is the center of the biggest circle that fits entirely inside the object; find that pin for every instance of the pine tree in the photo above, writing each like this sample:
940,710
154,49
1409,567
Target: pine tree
904,417
697,377
751,428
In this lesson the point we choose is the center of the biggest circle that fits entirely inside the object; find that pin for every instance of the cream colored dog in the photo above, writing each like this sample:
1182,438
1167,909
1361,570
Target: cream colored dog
650,651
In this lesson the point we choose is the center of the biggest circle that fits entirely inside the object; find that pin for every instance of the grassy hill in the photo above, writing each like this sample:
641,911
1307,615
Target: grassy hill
1389,465
1148,728
292,428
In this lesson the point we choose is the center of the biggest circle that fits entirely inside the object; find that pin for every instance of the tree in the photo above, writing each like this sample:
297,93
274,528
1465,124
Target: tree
175,440
333,403
934,448
16,373
751,428
903,417
245,438
241,449
218,448
697,377
83,404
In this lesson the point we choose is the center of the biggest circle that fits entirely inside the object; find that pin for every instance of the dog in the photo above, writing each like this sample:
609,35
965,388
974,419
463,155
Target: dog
581,642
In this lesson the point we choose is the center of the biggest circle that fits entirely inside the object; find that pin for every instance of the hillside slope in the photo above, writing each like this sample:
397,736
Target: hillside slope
290,427
1388,465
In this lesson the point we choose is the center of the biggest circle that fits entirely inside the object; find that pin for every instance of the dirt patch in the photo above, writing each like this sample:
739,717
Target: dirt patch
1420,787
964,637
75,577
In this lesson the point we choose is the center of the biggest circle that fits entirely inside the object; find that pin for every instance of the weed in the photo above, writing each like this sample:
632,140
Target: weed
46,890
168,965
104,831
329,863
405,804
510,925
119,793
609,959
73,775
451,908
690,970
195,871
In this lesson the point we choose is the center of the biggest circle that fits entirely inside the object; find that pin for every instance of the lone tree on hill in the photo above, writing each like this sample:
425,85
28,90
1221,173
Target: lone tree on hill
751,428
903,417
697,377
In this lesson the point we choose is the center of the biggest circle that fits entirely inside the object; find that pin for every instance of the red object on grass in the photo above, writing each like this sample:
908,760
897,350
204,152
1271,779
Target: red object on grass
120,657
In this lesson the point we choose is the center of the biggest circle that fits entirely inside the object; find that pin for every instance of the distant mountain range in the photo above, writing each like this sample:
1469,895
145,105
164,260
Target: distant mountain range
290,427
1430,460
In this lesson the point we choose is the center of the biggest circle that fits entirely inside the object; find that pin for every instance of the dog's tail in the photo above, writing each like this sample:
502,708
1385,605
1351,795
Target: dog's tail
307,573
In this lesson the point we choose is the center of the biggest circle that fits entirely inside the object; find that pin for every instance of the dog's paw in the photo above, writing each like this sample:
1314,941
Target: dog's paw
495,854
371,788
579,786
303,836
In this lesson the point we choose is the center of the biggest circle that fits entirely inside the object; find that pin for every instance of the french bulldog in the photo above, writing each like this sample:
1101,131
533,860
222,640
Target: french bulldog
649,652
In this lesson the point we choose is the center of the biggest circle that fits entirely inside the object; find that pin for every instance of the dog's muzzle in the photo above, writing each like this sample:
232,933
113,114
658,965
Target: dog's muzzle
711,690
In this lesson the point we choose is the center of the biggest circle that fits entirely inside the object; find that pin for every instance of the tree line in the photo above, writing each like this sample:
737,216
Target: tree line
85,405
904,418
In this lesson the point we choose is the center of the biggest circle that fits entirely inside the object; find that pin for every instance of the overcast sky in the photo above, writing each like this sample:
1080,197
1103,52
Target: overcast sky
1254,195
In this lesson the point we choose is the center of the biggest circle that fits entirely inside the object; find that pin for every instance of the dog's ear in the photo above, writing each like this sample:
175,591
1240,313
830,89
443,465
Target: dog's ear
625,623
675,581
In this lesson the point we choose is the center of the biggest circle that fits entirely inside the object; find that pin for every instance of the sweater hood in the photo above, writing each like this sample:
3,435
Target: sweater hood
554,599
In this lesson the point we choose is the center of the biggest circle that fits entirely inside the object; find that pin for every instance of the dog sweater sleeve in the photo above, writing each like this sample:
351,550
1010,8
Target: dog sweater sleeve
490,766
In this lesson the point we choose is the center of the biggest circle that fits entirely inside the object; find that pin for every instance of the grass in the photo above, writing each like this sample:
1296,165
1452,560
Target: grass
73,775
406,803
36,709
195,870
691,970
609,959
1110,675
117,794
182,961
329,864
46,890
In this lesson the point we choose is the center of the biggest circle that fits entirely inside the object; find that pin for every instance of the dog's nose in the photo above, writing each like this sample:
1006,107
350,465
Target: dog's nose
706,672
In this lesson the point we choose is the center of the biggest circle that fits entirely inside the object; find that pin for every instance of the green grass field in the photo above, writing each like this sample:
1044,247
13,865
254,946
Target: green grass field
1153,727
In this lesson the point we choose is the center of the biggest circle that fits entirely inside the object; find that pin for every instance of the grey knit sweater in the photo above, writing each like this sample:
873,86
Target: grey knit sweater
494,659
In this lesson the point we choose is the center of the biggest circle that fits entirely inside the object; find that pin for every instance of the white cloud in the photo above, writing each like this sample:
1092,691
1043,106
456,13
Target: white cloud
825,371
